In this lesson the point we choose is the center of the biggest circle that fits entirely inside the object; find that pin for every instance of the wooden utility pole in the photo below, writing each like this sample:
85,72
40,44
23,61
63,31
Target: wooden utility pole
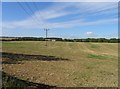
46,30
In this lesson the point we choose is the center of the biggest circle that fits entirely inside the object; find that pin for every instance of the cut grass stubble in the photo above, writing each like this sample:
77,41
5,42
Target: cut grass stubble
88,64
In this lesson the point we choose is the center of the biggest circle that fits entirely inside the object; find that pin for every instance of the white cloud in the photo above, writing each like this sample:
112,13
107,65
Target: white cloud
31,24
50,14
100,22
96,8
41,17
89,34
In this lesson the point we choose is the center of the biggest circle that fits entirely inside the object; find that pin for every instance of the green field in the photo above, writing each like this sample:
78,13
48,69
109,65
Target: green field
62,64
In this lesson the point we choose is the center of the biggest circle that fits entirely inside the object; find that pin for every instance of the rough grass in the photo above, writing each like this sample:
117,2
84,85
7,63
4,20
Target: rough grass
80,70
96,56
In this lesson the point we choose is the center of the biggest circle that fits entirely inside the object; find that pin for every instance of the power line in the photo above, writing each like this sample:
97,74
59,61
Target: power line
23,8
46,30
35,5
37,8
32,12
27,12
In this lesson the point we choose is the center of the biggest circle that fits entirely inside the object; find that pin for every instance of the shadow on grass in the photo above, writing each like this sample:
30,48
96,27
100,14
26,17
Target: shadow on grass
13,58
11,82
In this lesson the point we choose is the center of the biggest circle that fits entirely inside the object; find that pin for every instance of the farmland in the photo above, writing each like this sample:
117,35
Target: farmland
62,64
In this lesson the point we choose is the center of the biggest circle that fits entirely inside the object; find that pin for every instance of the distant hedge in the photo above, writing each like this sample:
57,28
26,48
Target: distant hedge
112,40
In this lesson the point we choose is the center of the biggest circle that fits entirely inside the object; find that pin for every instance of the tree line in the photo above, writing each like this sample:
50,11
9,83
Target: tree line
111,40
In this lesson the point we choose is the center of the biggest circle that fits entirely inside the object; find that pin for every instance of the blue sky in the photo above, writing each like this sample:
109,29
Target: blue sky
64,19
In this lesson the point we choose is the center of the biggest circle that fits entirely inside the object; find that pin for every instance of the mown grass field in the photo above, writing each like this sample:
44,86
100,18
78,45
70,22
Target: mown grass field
62,64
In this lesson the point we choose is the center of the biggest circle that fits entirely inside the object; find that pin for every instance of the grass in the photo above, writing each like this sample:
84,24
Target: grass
96,56
29,61
9,81
95,45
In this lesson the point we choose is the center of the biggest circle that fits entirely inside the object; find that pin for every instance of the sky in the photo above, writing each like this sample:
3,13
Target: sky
63,19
